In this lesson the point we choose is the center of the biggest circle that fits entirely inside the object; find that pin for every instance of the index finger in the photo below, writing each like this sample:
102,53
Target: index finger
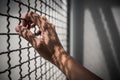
26,20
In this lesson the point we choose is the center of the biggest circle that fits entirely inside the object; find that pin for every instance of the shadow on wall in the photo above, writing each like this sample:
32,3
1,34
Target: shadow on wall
112,62
111,54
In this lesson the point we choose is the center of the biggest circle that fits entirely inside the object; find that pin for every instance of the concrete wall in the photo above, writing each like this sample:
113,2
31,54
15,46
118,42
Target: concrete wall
95,36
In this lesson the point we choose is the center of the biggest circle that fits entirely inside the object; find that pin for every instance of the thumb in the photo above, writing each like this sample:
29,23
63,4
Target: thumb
27,34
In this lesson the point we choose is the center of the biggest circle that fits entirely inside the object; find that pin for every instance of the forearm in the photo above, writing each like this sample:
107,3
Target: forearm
71,68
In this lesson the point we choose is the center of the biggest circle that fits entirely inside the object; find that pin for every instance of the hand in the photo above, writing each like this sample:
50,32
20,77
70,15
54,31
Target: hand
48,45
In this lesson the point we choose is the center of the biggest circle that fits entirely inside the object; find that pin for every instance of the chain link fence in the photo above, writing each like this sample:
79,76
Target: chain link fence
18,60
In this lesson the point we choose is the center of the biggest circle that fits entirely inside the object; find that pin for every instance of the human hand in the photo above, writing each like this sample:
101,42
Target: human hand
48,44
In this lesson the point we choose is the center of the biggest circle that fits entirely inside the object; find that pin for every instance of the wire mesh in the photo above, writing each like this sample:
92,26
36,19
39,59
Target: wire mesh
18,60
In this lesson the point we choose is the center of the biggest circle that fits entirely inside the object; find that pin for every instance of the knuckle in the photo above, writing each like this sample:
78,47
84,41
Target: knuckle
44,18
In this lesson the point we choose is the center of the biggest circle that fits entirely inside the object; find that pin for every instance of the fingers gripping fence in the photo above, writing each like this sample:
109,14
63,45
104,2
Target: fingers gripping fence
18,60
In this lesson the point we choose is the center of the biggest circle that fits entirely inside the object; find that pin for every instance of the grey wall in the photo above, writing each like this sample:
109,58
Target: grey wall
95,36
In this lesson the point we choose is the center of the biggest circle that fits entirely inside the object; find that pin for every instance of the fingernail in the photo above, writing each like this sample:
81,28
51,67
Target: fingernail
18,28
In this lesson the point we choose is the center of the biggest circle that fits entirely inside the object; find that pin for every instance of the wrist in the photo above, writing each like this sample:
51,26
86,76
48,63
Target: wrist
58,52
63,61
59,56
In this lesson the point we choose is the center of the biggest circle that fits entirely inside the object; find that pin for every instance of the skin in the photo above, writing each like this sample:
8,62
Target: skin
49,47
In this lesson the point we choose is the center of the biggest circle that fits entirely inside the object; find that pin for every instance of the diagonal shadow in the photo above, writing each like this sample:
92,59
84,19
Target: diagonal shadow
113,30
107,51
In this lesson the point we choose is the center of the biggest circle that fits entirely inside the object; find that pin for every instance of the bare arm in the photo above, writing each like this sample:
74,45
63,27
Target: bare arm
71,68
49,47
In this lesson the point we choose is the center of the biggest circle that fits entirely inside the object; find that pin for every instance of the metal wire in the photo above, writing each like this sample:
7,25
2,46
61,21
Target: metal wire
8,47
35,65
35,50
20,46
45,60
52,65
28,48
